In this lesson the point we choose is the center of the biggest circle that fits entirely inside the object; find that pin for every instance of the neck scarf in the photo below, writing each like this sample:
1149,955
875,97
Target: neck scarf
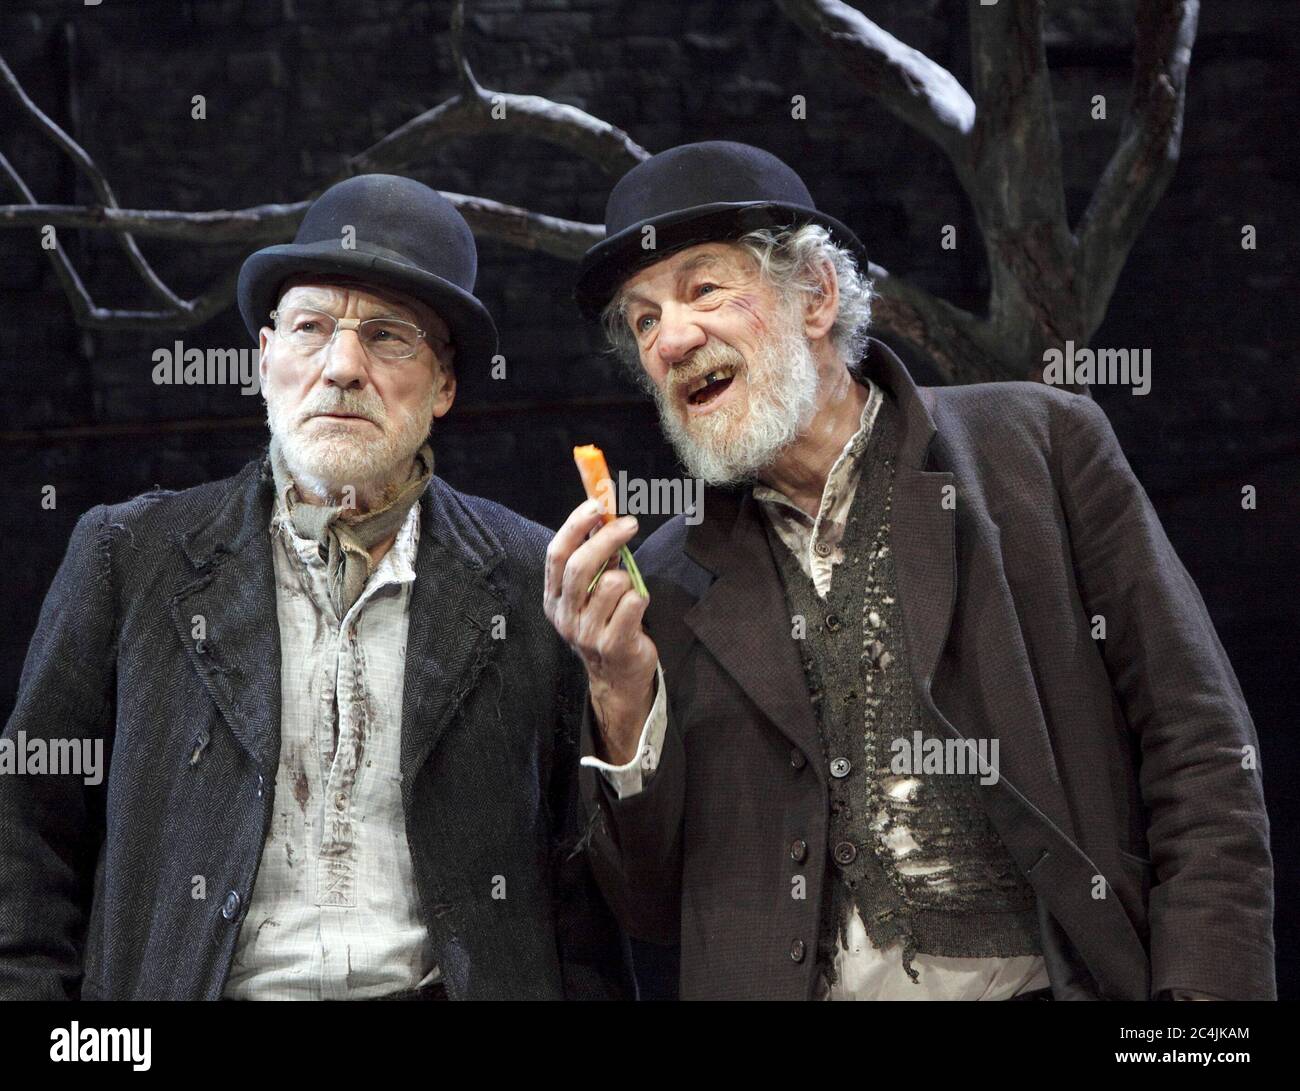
344,535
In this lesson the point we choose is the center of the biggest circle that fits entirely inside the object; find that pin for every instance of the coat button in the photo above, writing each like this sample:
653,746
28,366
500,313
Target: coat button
261,786
833,623
845,853
822,549
796,950
230,908
840,767
798,851
797,760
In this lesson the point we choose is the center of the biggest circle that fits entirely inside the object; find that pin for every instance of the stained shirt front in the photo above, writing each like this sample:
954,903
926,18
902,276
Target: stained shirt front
334,912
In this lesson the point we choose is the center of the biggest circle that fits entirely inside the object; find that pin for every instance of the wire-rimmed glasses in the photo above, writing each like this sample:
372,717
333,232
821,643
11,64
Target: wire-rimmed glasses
308,331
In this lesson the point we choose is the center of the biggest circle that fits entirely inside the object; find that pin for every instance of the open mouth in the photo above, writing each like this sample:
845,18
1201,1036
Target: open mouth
711,386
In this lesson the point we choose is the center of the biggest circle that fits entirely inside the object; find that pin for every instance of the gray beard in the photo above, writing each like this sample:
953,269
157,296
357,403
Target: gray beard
333,460
782,384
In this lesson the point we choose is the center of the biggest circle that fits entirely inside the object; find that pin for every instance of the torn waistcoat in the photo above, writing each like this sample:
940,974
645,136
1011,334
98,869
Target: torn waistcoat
914,852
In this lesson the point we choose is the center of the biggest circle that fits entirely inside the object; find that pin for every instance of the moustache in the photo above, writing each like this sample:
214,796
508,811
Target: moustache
703,360
344,407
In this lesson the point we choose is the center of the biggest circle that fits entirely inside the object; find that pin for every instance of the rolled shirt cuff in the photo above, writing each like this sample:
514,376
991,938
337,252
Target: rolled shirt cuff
629,779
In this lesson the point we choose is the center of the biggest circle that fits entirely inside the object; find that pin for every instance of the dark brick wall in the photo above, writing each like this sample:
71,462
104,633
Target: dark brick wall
293,85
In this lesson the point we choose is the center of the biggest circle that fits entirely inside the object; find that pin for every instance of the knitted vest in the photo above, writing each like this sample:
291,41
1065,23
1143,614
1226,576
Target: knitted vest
915,852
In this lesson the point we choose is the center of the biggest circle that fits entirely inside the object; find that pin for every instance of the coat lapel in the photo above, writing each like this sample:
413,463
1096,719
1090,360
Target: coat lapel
455,598
925,560
743,618
924,530
230,601
459,591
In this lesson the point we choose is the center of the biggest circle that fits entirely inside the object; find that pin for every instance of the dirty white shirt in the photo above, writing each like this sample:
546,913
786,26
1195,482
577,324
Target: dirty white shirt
334,913
864,972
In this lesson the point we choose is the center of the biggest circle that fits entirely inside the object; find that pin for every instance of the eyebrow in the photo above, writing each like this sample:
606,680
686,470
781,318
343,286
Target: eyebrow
697,262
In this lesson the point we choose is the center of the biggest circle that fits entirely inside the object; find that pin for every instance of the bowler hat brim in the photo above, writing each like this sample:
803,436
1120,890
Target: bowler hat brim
472,331
611,261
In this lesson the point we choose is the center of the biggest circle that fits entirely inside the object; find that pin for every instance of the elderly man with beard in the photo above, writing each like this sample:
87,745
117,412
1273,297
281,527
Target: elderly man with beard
861,741
343,735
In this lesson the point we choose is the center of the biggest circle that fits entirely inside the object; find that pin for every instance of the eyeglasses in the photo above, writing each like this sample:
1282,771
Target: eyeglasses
307,332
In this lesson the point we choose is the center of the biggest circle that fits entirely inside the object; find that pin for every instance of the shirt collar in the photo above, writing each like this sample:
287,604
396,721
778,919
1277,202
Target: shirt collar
847,464
396,566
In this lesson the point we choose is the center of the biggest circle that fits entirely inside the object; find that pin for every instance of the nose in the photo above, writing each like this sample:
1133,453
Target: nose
345,358
679,336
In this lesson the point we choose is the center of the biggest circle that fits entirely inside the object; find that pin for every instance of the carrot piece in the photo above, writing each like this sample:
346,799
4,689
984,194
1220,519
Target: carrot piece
600,488
596,479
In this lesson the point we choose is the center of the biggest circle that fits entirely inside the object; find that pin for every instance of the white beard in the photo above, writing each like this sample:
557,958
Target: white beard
732,444
326,458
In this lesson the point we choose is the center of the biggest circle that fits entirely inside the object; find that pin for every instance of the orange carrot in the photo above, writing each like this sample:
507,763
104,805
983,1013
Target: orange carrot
600,488
596,479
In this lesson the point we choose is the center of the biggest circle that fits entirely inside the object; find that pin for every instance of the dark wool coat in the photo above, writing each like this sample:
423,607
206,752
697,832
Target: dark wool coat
96,882
1127,794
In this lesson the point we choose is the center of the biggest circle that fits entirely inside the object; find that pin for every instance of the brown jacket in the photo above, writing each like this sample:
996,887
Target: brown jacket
1124,795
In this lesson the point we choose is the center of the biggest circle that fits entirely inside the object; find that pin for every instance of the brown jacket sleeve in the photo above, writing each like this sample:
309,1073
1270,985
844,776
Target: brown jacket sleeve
636,843
1211,904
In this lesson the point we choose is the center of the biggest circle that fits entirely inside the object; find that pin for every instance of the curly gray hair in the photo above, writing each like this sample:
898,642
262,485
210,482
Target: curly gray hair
790,260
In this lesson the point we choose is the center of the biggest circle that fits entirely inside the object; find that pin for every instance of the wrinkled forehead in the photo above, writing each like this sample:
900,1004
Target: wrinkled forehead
311,289
722,257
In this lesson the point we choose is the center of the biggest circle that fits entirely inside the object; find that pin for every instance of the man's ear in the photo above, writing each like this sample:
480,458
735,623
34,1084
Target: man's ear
822,306
445,380
263,339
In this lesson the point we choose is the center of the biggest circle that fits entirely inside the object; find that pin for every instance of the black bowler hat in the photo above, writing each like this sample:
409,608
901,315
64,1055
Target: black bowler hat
405,236
695,193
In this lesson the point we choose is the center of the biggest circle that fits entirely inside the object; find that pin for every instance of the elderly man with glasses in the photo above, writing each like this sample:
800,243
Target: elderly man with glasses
343,737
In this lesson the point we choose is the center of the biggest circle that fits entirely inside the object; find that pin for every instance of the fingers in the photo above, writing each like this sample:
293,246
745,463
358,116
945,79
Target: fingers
581,521
609,626
595,614
623,629
585,561
572,563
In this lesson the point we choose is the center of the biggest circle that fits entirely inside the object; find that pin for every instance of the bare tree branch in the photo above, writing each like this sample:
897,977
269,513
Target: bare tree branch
266,224
954,340
261,223
184,314
1017,153
474,111
567,239
907,83
471,114
1138,172
87,166
1047,285
1016,173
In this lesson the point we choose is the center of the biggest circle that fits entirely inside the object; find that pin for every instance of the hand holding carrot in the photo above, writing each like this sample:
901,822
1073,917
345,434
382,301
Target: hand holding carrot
598,610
